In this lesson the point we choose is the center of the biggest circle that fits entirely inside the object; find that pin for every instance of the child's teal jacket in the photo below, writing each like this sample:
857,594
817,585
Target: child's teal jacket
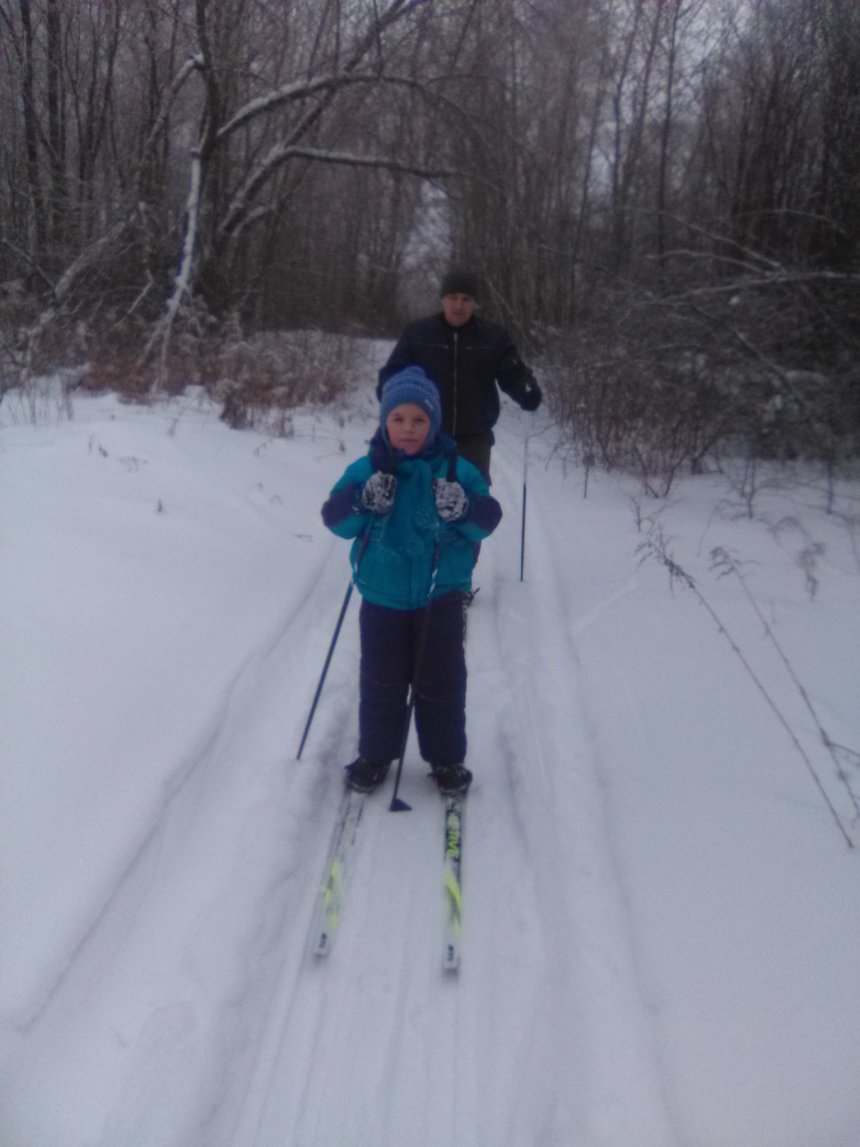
395,565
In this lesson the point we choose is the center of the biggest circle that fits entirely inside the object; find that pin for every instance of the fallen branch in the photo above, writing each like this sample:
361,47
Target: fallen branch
724,563
656,547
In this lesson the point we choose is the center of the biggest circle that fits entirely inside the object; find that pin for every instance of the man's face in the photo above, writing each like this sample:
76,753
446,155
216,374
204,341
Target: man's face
457,308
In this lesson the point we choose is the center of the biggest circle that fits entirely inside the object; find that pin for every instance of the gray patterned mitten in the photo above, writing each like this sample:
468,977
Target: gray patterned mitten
378,492
451,501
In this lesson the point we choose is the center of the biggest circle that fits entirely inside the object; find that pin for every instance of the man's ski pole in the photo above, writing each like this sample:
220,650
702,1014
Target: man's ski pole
362,547
525,497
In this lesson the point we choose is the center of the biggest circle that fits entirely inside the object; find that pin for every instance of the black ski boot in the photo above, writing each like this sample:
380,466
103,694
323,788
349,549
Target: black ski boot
364,776
452,780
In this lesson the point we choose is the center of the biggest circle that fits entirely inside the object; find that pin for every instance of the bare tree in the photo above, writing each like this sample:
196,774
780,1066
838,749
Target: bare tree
257,112
662,194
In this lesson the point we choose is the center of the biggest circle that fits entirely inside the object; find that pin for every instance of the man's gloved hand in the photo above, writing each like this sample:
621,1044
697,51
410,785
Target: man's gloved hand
377,494
451,501
532,396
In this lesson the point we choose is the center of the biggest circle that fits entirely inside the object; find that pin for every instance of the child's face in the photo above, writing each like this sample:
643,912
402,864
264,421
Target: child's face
408,427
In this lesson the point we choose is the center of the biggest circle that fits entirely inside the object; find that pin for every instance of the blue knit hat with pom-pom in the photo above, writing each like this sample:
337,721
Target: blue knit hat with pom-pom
412,385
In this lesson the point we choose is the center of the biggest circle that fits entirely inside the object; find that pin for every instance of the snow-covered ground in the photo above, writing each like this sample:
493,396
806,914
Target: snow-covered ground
662,912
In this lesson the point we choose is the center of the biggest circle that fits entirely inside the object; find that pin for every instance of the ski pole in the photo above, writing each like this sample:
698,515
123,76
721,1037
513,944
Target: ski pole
398,805
362,547
525,497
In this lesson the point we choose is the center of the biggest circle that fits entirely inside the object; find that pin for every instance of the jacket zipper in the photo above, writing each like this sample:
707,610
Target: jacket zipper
456,382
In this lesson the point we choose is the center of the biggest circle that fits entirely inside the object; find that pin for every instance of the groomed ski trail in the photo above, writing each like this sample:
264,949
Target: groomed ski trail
168,988
377,1045
250,1041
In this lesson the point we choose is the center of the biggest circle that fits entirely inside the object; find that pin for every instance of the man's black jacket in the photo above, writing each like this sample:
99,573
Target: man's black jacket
465,363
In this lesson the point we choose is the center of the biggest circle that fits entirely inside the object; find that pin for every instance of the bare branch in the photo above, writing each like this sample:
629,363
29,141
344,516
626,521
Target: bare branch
234,219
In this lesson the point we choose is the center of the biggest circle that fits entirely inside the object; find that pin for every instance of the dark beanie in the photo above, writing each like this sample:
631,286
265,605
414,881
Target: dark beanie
459,281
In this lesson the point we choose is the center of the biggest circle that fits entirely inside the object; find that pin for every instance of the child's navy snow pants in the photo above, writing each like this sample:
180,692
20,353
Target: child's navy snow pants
390,640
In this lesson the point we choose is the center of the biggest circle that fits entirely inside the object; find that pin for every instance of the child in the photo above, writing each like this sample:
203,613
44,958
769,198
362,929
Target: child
416,511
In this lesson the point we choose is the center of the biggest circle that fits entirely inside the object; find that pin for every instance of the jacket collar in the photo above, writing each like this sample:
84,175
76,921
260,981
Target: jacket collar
384,457
467,326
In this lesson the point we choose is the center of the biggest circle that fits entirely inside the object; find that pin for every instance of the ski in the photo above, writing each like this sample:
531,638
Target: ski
452,889
332,894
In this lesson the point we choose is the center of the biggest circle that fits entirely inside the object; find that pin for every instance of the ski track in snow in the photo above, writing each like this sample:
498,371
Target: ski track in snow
321,1064
184,776
276,1046
602,1023
193,982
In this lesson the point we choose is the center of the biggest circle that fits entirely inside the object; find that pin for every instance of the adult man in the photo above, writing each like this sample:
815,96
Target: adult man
467,356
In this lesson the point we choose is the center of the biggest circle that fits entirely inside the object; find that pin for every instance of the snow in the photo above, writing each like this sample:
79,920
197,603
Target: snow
662,914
